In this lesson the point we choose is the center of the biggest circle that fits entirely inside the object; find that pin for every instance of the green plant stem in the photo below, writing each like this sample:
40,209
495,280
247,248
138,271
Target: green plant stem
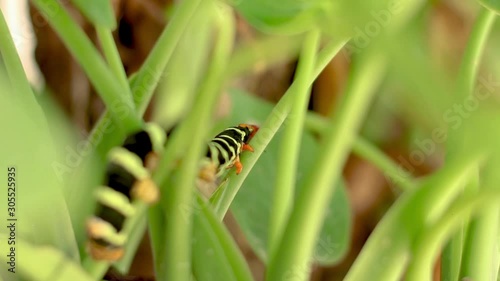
113,57
176,253
388,250
428,244
366,150
482,233
145,81
467,77
120,106
15,70
284,187
150,73
307,217
269,129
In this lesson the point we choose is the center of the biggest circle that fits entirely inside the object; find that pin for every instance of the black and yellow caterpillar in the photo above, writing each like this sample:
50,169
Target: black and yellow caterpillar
224,151
128,178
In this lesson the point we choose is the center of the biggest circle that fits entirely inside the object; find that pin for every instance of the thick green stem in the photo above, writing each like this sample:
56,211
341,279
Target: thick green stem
269,129
482,235
176,253
307,217
467,76
290,146
110,90
428,245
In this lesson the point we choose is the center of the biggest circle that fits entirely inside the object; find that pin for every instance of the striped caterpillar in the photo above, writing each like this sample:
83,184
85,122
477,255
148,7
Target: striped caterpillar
224,151
128,179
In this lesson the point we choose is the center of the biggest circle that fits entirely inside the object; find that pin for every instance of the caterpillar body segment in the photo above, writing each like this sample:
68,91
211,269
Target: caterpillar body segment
127,178
225,148
223,153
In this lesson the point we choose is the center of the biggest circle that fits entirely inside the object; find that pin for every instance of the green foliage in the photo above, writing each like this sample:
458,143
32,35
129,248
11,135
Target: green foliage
99,13
491,4
195,57
253,205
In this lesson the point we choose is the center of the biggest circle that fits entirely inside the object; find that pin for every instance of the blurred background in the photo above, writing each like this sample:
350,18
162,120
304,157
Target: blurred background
52,70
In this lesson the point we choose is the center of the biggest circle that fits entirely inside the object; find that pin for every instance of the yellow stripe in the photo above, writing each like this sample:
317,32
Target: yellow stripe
157,135
102,229
129,161
115,200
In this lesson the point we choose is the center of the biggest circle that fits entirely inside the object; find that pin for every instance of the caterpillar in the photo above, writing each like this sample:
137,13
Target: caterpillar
224,151
127,179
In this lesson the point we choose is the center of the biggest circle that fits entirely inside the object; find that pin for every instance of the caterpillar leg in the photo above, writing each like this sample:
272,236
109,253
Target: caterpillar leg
247,147
207,179
104,242
238,165
146,191
102,251
151,161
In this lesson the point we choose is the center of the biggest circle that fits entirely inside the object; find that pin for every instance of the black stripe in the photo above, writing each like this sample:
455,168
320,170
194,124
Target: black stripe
246,131
105,243
115,218
235,144
119,179
220,156
232,133
140,144
227,148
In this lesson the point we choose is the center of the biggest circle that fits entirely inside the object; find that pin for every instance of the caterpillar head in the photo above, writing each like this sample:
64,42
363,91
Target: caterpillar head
250,131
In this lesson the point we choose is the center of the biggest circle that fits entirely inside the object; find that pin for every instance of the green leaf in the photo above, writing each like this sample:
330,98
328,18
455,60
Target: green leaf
290,16
38,263
252,205
367,19
41,211
98,12
186,68
215,254
491,4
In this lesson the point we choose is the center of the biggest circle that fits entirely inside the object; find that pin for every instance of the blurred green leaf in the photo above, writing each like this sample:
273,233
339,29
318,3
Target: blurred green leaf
291,15
38,263
251,207
40,206
491,4
185,69
77,166
355,17
215,254
98,12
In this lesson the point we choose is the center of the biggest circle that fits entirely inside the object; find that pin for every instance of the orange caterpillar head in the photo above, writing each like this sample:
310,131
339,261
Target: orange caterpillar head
250,131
